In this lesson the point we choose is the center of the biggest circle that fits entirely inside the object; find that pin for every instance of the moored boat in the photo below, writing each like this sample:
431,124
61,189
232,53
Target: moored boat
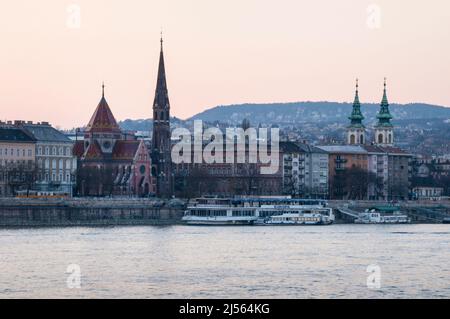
382,215
277,210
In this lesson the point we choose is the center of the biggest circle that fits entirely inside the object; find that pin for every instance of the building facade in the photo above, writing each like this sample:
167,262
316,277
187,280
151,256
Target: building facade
195,177
347,173
17,160
305,170
56,163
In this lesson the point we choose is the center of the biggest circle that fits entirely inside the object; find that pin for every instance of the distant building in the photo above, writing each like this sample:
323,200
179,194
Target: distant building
225,179
56,164
17,160
391,168
110,162
427,192
305,170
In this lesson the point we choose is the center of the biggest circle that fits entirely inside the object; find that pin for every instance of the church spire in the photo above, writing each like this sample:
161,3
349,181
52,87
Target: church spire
384,116
161,95
356,117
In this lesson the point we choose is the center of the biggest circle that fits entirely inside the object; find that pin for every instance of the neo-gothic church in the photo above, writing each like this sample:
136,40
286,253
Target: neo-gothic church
111,162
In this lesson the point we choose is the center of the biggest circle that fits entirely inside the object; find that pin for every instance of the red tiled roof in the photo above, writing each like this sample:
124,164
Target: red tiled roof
103,120
78,148
93,151
125,150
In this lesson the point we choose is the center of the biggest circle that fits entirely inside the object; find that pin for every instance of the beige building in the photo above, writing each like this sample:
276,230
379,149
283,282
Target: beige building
56,163
17,160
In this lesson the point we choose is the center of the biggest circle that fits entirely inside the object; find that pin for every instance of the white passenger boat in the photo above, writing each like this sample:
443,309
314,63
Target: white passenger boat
382,216
279,210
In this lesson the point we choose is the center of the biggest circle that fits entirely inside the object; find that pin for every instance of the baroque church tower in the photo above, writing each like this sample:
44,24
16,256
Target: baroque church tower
356,131
161,145
384,130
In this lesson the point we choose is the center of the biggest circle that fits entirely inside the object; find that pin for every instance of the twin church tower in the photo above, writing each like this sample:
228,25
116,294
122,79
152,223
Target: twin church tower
384,130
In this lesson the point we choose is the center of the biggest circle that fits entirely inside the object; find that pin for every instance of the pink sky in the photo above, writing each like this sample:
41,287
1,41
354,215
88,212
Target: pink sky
217,52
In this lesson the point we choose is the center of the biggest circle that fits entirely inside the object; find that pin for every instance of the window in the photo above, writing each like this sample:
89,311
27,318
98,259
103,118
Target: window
30,153
380,139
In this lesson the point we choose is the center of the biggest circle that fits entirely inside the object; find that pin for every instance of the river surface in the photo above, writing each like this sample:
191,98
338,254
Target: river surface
226,262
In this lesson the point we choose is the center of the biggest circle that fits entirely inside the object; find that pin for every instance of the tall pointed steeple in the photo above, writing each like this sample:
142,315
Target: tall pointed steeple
161,94
356,131
384,116
161,144
384,130
356,117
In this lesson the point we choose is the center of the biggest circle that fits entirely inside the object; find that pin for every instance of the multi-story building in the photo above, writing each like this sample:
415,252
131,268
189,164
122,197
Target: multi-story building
195,177
56,163
342,159
305,170
17,160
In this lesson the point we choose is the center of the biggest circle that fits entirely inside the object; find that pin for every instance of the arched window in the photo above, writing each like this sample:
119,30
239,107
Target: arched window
352,139
390,138
361,139
380,139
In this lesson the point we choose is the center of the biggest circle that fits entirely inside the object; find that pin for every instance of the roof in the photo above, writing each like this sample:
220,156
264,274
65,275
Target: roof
103,119
125,150
347,149
46,133
295,147
373,149
78,148
93,151
290,147
394,150
310,148
15,135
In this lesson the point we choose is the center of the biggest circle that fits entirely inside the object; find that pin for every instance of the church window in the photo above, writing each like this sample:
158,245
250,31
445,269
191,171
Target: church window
380,139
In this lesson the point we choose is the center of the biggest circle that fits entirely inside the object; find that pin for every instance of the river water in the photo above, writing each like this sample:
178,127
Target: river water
226,262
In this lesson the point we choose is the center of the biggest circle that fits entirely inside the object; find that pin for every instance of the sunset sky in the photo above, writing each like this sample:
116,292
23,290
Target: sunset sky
217,53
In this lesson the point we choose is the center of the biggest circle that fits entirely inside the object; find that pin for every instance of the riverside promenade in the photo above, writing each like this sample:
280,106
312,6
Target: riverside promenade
22,212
